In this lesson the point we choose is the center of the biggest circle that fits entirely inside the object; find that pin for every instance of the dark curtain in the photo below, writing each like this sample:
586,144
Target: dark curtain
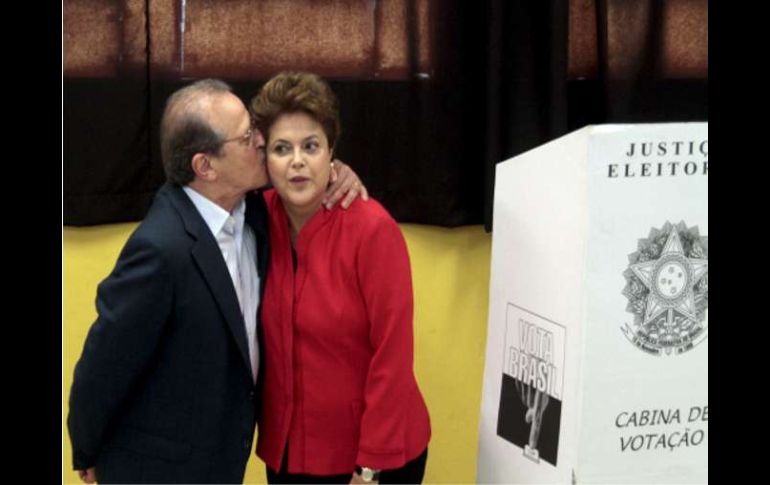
526,78
425,141
640,79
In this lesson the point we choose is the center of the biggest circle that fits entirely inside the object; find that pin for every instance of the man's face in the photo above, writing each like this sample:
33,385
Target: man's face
240,165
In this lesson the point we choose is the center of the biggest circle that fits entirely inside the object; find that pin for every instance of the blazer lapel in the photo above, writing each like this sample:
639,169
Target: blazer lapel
208,257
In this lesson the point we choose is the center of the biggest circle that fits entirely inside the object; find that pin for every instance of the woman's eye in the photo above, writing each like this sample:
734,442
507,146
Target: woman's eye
281,149
311,147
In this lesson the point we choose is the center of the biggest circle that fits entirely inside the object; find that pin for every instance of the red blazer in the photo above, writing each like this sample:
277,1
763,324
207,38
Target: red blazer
339,385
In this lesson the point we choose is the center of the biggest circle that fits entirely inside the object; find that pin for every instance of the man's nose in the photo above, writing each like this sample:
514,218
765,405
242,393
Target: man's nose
259,140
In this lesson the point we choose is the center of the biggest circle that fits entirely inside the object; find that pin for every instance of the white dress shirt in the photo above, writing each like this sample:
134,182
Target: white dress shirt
245,278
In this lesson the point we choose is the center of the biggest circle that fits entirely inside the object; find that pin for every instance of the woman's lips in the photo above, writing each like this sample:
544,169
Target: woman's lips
298,180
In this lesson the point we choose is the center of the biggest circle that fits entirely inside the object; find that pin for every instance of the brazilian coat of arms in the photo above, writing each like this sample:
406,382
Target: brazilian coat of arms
667,290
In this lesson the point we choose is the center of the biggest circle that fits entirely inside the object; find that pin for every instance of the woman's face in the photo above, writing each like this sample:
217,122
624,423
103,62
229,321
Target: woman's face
298,161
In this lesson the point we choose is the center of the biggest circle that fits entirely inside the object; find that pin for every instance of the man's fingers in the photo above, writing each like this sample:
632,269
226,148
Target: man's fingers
364,192
349,198
88,476
333,198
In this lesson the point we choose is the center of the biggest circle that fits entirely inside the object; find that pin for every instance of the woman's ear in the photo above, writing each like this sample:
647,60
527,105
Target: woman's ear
333,167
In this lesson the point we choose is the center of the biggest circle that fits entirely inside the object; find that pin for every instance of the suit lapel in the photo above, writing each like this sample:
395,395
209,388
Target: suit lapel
208,257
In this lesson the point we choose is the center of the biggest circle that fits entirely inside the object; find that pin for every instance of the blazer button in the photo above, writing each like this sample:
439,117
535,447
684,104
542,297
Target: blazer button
247,444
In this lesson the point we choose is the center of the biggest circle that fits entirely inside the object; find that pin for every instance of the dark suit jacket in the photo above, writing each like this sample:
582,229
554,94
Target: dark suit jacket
163,391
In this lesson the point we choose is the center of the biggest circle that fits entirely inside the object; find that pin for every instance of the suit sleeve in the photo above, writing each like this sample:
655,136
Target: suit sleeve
386,282
133,305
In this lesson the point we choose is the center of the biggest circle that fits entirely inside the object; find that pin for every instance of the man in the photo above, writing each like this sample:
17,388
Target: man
165,389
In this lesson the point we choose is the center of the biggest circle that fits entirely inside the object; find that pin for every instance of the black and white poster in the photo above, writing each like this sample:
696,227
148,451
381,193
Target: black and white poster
532,384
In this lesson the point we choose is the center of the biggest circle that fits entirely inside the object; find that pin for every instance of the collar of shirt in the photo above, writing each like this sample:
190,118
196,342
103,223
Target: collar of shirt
215,216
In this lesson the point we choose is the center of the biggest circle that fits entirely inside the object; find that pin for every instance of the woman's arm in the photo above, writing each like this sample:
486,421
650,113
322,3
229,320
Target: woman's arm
386,283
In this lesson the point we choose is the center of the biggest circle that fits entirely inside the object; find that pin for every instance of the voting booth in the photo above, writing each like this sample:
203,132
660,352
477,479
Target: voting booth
596,365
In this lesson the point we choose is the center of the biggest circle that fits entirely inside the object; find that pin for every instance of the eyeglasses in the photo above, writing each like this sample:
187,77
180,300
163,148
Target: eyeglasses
245,139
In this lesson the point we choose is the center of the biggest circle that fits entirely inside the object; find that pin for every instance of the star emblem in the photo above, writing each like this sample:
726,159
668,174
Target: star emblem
670,279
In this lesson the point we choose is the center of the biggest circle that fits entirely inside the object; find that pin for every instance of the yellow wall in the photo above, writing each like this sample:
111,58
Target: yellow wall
451,283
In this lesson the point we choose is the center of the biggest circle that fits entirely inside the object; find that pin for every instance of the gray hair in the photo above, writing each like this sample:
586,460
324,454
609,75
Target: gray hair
185,129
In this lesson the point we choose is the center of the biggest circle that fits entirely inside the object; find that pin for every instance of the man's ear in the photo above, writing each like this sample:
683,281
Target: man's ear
201,165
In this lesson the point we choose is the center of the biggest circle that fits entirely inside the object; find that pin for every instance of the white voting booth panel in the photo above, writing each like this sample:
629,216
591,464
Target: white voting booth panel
596,365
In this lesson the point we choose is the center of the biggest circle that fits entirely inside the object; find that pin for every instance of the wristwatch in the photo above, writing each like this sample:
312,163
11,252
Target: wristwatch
368,475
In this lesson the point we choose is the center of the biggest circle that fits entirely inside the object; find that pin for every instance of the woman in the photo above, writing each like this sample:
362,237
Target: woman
340,401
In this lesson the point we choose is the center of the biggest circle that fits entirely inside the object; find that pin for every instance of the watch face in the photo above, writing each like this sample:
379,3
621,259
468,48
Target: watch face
367,474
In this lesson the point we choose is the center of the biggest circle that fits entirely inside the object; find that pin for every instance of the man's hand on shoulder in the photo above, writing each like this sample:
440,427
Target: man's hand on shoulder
343,182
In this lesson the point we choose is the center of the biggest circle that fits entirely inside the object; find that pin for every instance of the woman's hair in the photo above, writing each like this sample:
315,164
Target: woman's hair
291,92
